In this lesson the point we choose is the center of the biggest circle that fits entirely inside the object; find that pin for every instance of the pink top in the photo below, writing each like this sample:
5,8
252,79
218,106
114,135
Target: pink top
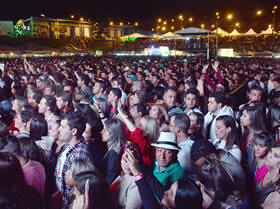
261,173
35,175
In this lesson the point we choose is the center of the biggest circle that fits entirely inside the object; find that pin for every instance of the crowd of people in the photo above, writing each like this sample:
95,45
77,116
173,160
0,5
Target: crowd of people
86,132
260,43
141,44
240,44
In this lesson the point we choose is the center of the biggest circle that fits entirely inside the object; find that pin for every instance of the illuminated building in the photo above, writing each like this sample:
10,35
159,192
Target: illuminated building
59,28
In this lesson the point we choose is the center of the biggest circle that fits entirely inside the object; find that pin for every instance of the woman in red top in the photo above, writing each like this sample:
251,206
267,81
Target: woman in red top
143,136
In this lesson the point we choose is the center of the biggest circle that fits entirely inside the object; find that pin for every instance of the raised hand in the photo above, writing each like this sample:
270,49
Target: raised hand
119,107
215,65
132,162
205,67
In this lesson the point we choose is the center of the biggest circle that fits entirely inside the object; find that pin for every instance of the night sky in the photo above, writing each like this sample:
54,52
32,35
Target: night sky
146,11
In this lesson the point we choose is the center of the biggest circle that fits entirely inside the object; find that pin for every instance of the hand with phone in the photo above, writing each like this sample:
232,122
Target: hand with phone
132,162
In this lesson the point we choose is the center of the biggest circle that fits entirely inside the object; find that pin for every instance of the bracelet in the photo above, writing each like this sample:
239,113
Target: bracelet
139,176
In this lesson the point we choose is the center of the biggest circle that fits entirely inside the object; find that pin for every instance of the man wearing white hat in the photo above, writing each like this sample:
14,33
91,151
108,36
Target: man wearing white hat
167,168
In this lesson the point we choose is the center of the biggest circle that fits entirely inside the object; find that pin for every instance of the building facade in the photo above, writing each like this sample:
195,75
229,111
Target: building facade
59,28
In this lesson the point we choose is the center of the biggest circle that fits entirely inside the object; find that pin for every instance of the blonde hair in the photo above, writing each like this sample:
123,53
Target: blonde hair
152,128
117,134
82,165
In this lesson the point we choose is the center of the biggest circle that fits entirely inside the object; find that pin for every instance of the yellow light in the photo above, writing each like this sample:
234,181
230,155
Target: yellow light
136,24
202,25
163,28
190,19
158,27
172,28
237,24
72,16
229,17
42,15
159,20
259,12
164,22
275,7
180,17
153,29
121,23
82,19
213,26
217,13
111,23
269,26
172,20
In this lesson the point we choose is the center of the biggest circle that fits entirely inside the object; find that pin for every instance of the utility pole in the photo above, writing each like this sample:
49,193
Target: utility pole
217,26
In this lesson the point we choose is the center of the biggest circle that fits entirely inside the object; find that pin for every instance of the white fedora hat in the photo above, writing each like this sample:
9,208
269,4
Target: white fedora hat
167,140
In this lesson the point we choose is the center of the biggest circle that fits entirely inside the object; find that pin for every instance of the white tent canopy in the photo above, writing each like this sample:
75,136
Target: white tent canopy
170,34
134,35
234,33
221,32
268,31
192,31
250,32
157,36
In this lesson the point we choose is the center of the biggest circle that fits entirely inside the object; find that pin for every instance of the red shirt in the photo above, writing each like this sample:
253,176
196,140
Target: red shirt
147,151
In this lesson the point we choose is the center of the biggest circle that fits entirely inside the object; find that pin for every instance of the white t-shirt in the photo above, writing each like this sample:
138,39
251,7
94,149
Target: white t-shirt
59,168
184,154
235,150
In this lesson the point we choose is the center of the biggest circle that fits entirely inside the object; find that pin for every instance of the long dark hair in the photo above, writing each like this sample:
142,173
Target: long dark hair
188,194
217,176
11,174
273,116
12,179
99,192
96,127
29,149
264,139
38,128
258,120
233,134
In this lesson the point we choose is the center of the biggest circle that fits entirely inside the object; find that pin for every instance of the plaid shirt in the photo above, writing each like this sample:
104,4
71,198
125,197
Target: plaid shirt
78,151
